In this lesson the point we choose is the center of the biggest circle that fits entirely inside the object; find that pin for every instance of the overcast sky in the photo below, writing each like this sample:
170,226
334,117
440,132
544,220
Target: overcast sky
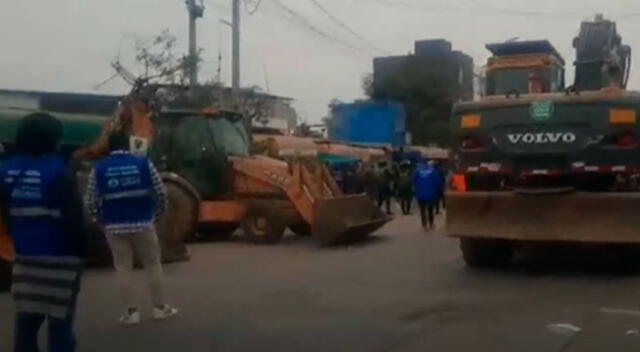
66,45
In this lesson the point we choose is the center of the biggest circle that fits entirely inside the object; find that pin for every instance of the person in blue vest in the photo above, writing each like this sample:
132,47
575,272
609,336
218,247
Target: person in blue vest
428,188
125,195
40,201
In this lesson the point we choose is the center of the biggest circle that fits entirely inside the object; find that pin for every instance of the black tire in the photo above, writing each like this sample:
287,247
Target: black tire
178,223
486,253
302,230
216,232
5,275
264,223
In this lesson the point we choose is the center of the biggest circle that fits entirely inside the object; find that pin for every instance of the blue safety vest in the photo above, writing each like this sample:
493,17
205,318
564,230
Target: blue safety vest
427,183
125,189
33,187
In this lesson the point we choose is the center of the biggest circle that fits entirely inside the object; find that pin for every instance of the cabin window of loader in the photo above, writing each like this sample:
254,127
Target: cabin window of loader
230,136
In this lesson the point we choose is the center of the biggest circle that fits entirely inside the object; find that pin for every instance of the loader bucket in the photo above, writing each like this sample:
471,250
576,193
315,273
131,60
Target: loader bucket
346,219
570,217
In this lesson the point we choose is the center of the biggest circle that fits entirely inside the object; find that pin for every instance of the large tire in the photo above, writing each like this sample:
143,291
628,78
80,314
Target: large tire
5,275
302,230
178,223
264,223
486,253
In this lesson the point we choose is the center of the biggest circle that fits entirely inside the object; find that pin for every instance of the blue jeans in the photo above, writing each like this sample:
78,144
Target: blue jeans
61,336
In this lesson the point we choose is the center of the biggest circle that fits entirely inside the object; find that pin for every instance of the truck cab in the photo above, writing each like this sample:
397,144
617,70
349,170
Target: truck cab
527,67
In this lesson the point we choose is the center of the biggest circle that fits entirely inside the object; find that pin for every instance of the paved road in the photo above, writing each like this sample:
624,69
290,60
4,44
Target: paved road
402,291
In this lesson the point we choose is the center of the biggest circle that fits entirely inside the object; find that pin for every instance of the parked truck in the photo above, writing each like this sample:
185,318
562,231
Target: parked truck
538,162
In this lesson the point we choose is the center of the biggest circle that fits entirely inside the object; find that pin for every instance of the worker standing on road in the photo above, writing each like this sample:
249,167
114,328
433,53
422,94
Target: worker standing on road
39,198
125,195
428,185
369,181
443,178
405,186
385,186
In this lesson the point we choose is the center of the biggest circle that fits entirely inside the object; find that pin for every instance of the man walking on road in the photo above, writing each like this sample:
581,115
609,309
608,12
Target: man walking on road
386,184
441,203
405,186
125,195
428,187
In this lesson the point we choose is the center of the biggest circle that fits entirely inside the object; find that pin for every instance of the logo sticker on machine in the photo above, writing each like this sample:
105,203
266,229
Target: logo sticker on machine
139,145
541,110
542,138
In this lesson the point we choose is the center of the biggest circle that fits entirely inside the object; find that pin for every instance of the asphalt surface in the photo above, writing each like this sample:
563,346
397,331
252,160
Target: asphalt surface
403,290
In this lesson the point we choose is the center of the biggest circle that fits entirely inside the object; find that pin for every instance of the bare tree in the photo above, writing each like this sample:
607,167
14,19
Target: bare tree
254,105
158,58
367,85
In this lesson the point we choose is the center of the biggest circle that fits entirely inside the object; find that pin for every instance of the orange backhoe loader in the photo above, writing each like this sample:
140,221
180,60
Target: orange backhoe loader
215,184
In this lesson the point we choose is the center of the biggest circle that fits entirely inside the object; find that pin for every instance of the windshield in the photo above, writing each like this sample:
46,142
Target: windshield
230,136
503,81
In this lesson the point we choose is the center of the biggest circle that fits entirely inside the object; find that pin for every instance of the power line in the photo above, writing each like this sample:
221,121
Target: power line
215,4
487,8
340,23
303,22
255,7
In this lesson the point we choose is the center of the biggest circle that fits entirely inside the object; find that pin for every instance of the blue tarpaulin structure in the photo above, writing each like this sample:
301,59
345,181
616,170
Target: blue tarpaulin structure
369,122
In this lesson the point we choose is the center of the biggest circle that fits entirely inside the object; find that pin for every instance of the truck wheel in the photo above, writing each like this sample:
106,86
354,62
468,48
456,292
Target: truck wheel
178,223
486,253
5,275
302,230
264,223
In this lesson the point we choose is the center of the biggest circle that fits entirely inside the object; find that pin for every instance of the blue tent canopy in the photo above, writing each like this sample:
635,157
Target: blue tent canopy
334,159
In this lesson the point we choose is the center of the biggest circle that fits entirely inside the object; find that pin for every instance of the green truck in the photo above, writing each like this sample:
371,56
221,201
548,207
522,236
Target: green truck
546,163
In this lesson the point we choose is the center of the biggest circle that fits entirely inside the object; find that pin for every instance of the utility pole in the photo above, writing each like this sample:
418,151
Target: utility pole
195,12
235,86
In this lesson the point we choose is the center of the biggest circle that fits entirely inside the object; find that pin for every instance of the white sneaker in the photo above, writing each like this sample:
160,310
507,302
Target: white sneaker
130,318
165,312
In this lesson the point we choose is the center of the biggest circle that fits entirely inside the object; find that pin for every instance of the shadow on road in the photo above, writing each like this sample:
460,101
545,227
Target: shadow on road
570,261
290,240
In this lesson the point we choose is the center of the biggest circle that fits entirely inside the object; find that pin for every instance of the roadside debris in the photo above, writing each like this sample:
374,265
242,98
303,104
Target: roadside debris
565,329
619,311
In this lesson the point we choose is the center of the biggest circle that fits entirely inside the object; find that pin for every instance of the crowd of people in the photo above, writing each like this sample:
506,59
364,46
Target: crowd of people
406,182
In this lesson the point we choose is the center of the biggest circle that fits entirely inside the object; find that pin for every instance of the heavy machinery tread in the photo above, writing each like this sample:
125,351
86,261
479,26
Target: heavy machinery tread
486,253
264,222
